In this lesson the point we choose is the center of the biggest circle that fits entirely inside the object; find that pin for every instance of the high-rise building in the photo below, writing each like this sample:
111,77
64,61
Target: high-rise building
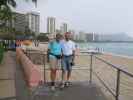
18,22
76,37
64,28
25,22
33,19
82,36
89,37
51,25
96,37
72,31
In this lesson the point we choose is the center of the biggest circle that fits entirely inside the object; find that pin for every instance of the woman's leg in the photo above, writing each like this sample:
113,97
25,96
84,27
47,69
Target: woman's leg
53,70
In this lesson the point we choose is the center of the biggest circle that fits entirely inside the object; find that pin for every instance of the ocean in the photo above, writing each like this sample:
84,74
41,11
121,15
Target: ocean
122,49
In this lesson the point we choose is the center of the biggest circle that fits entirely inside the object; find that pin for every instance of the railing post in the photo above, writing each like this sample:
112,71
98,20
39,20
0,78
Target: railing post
28,54
91,68
44,63
118,85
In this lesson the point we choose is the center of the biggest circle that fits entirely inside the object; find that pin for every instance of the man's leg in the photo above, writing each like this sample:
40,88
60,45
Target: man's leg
63,64
68,75
69,69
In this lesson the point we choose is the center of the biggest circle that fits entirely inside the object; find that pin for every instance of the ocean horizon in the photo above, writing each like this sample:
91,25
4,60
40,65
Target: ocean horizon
115,48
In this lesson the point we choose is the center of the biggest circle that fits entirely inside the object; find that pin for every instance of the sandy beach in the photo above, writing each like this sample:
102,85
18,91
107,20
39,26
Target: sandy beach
106,73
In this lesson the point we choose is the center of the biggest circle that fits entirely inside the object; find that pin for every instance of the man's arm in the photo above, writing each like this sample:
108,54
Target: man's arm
73,55
48,52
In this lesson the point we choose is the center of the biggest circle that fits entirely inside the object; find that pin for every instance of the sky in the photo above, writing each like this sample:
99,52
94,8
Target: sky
100,16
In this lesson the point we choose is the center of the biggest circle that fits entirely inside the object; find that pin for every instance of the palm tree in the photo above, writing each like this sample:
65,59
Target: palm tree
8,2
5,8
6,12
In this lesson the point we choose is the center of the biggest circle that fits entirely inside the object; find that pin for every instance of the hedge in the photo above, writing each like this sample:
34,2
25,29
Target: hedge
1,53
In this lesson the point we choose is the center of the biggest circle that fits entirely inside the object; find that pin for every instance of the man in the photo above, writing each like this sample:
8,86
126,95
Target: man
54,54
68,50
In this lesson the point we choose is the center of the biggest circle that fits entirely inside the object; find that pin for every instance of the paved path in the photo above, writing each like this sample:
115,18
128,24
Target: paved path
78,91
13,86
22,91
7,77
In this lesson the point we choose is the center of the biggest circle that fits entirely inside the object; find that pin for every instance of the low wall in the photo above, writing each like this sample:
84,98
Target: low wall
33,73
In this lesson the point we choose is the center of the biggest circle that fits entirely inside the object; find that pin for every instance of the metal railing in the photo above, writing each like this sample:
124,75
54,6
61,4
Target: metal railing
118,77
30,53
92,72
8,44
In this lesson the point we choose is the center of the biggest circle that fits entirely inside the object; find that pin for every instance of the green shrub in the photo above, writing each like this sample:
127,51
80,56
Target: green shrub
1,53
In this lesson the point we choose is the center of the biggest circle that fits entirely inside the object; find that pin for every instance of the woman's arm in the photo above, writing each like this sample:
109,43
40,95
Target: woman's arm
48,51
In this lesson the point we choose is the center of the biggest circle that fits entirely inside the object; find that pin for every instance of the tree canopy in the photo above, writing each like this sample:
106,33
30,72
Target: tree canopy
6,11
5,8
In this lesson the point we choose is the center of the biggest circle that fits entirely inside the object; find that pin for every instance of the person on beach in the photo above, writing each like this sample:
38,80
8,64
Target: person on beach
54,55
68,55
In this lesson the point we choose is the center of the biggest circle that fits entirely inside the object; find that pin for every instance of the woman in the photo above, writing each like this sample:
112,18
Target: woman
54,54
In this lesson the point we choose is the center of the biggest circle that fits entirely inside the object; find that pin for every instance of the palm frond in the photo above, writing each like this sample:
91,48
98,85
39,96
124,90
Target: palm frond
12,3
6,14
3,2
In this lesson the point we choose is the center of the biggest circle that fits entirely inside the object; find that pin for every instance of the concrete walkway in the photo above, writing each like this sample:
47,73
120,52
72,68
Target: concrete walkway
7,77
13,86
78,91
22,90
12,83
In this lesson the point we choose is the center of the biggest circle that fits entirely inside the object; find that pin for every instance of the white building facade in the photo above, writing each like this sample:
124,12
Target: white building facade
64,28
33,19
51,25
